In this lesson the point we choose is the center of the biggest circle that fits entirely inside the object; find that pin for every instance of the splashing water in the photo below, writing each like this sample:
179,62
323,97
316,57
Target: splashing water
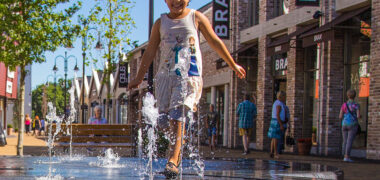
52,117
198,164
71,118
151,115
109,160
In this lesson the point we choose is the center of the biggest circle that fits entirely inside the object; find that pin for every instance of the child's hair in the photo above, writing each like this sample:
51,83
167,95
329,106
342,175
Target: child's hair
351,94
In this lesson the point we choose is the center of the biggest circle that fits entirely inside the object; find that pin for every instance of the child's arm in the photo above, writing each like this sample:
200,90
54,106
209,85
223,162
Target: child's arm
148,56
217,44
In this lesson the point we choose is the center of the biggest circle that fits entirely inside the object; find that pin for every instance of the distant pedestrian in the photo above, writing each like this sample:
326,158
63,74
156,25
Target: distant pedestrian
36,125
42,129
247,114
277,124
212,124
27,124
349,114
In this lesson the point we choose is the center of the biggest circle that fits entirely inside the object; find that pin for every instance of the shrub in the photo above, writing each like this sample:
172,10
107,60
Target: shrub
9,126
314,130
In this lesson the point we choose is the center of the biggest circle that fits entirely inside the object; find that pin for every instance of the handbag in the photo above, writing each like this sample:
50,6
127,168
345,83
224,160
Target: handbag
359,128
289,139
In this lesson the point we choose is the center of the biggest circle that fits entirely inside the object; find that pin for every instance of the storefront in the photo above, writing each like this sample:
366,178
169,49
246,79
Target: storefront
278,53
354,29
357,71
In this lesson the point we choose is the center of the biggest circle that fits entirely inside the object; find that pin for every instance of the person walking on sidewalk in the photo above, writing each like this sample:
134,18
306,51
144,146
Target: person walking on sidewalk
36,125
247,114
277,124
27,124
212,124
349,114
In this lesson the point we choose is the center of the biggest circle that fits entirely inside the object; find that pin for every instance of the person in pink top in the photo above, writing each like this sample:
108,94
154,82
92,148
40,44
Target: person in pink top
27,124
97,119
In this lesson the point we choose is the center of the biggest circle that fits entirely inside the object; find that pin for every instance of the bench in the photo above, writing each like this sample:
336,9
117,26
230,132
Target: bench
97,136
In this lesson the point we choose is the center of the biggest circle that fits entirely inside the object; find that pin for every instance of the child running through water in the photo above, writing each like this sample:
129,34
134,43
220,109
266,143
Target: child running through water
178,82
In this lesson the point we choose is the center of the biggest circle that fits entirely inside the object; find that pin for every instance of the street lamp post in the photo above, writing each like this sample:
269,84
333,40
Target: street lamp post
84,48
150,71
55,69
55,85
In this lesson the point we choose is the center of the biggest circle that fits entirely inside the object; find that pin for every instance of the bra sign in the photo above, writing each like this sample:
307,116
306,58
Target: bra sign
221,18
281,64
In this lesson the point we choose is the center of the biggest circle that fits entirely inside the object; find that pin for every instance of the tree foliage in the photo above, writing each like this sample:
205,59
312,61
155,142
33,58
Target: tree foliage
113,19
31,27
28,29
53,93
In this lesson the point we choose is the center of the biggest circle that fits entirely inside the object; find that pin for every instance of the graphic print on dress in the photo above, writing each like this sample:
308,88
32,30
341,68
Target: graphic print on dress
193,70
176,49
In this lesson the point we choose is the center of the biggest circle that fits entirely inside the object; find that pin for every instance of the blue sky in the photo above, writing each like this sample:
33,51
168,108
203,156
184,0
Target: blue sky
41,73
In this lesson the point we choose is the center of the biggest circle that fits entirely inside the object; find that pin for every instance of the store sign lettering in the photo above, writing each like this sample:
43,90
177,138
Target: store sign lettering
281,64
123,75
318,37
221,18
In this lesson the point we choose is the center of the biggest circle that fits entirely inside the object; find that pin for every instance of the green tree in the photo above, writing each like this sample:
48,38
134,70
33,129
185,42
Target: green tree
29,28
52,93
113,17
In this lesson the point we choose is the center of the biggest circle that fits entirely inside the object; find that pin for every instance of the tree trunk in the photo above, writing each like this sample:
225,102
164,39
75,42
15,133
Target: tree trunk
20,147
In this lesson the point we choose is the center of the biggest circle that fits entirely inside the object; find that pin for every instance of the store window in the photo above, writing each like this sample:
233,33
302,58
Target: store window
123,109
357,74
311,95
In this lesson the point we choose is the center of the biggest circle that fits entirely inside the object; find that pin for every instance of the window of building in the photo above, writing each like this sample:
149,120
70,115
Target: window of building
123,109
278,8
253,12
311,87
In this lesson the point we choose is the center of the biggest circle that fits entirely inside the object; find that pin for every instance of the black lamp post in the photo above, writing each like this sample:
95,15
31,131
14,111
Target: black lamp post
55,69
99,46
150,71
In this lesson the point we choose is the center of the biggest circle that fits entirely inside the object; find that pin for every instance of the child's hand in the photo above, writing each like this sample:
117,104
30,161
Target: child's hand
240,72
134,84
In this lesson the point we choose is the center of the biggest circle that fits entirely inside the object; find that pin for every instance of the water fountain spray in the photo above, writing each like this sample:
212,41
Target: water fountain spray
150,112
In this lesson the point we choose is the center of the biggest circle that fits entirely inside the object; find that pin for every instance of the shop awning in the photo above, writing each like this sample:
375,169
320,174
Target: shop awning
325,32
282,44
244,48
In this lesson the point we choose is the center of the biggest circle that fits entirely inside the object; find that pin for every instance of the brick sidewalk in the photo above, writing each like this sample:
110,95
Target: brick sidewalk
32,146
360,169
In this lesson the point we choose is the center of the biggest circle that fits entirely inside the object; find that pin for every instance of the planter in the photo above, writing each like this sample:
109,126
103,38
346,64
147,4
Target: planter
9,131
304,146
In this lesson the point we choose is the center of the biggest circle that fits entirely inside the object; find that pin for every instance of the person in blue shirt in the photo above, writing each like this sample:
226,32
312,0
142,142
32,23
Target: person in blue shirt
278,124
247,114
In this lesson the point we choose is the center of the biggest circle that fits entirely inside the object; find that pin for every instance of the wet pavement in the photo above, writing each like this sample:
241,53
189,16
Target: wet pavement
39,167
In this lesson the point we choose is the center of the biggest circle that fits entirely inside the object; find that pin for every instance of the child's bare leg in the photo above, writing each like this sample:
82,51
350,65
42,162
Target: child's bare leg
176,129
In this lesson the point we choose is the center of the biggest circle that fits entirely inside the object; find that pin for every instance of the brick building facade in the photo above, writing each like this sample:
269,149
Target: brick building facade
314,53
8,93
328,49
